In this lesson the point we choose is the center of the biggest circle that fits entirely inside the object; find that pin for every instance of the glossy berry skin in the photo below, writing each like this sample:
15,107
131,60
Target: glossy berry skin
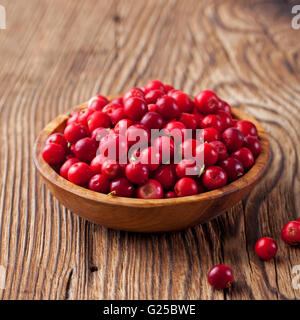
176,129
98,119
85,149
183,101
165,174
137,172
80,173
152,96
214,177
75,131
53,153
97,103
165,147
152,107
224,106
99,133
58,138
151,157
115,111
152,120
247,128
233,139
64,169
186,187
154,85
266,248
187,168
135,108
290,233
253,144
207,102
207,154
122,187
152,189
99,183
137,133
122,126
96,163
212,121
167,108
114,146
170,194
111,169
221,149
233,167
189,120
225,119
245,156
133,92
208,135
83,116
73,118
220,277
188,148
168,87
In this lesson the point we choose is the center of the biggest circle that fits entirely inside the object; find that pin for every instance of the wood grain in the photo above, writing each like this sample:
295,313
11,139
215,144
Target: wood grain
58,53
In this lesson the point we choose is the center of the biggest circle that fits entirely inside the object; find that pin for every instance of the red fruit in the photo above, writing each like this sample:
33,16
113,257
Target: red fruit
207,154
111,169
188,148
214,177
247,128
224,106
137,172
73,118
122,126
212,121
99,183
53,153
75,131
122,187
253,144
66,166
189,120
152,189
134,92
183,101
98,119
152,107
58,138
245,156
137,133
135,108
154,85
152,120
207,102
188,168
290,233
115,111
168,87
166,147
83,116
170,194
118,101
114,147
266,248
165,174
221,149
96,163
225,119
186,187
168,108
233,167
151,157
220,277
176,129
85,149
208,135
97,103
233,139
99,133
152,96
80,173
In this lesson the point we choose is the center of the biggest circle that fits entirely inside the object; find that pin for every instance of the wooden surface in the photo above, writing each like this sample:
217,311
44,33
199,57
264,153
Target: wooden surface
55,54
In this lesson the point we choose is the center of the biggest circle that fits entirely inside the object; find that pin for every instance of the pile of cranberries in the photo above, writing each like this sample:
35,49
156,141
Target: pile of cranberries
211,148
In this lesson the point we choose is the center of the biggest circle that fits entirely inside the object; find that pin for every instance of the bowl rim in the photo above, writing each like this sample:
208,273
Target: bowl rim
50,175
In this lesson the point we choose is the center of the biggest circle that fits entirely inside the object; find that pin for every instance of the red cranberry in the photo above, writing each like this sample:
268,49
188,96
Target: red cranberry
115,147
233,139
207,102
96,163
58,138
214,177
134,92
115,111
247,128
187,168
99,183
99,133
73,118
290,233
176,129
221,149
152,120
233,167
170,194
183,101
83,116
165,175
245,156
111,169
166,147
186,187
97,103
152,96
53,153
122,188
212,121
75,131
122,126
189,120
154,85
226,120
137,133
198,117
220,277
137,172
188,148
168,87
253,144
98,119
152,189
168,108
266,248
224,106
208,135
207,153
66,166
85,149
152,107
151,157
118,101
80,173
135,108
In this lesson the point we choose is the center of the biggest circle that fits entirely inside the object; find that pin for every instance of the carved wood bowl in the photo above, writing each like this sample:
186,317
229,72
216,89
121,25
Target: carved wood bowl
139,215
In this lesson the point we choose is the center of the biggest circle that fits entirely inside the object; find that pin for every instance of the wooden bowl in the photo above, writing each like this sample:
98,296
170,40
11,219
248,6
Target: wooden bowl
140,215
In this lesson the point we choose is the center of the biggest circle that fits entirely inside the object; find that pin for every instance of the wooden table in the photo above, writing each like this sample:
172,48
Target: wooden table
55,54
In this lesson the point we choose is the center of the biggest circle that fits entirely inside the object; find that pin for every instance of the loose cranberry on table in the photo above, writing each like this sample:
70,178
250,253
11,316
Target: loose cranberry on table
214,177
80,173
99,183
97,103
207,102
167,108
53,153
290,233
64,169
245,156
233,167
85,149
136,172
135,108
152,189
166,175
253,144
220,277
266,248
75,131
186,187
233,139
122,188
58,138
246,127
221,149
208,135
